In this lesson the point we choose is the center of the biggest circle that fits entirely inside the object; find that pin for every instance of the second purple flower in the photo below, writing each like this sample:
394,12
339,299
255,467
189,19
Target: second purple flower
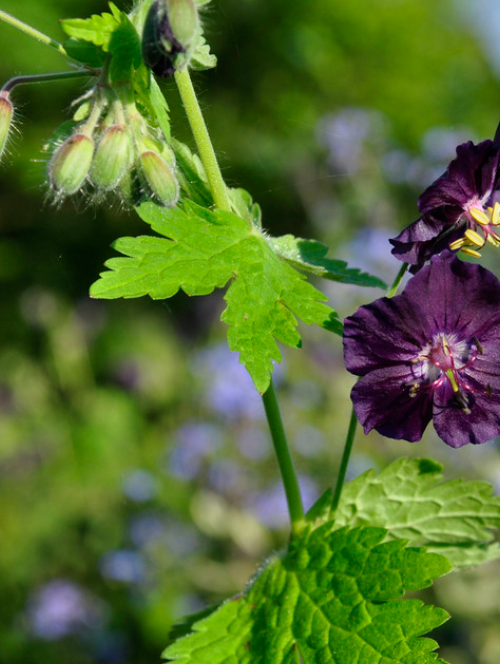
431,353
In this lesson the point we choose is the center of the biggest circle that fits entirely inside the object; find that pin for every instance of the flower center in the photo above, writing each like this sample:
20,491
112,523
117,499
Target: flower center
479,219
442,360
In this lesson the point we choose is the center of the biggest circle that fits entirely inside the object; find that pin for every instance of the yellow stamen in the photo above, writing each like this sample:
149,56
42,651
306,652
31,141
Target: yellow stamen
457,244
494,241
479,216
474,237
495,214
471,252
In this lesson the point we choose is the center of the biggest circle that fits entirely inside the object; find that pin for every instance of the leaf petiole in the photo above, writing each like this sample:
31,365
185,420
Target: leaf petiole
32,32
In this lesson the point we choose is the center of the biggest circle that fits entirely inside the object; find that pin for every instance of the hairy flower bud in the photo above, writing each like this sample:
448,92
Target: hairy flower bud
70,164
112,157
169,35
160,178
6,113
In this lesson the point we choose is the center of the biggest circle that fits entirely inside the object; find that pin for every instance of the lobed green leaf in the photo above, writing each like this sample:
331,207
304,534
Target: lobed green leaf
329,598
456,518
310,256
202,250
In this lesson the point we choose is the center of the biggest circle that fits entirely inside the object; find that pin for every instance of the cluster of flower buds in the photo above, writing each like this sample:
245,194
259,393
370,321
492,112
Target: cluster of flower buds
114,148
170,35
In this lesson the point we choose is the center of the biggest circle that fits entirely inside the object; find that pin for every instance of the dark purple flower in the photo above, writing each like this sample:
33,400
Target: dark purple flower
432,352
463,201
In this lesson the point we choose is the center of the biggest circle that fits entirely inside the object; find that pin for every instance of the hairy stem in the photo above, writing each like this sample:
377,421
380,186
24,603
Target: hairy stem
32,32
353,422
202,138
292,490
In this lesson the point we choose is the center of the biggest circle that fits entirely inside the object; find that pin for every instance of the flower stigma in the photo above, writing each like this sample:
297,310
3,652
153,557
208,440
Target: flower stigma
443,359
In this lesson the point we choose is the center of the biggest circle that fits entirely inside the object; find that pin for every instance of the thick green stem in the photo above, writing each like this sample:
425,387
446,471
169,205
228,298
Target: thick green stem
44,78
32,32
351,431
202,138
292,490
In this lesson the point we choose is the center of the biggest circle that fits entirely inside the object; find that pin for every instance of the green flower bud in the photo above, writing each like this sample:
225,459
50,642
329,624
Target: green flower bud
182,17
111,158
169,36
160,178
70,164
6,113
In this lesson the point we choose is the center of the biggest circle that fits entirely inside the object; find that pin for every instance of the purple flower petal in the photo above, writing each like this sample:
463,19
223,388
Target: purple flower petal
470,181
432,352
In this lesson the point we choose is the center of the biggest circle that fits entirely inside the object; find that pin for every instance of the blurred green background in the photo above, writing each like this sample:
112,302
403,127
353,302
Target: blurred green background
137,482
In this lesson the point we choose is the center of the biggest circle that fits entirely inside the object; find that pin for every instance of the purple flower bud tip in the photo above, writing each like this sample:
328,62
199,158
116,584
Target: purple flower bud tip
459,210
431,353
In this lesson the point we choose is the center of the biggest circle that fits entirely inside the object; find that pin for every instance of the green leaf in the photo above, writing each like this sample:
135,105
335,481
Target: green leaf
125,46
202,58
456,518
310,256
205,250
97,29
191,175
84,52
329,598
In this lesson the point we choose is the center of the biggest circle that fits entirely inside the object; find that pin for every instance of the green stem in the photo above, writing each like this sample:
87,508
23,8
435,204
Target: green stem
32,32
353,422
392,290
351,431
202,138
221,200
44,78
292,490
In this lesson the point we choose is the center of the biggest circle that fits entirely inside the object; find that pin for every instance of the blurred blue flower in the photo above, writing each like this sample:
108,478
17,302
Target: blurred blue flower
61,608
228,388
225,475
270,506
254,443
123,565
195,441
140,486
146,528
345,135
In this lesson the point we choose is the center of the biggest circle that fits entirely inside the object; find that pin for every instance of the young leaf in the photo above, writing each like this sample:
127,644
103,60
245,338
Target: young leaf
310,256
329,598
97,29
202,58
455,518
205,250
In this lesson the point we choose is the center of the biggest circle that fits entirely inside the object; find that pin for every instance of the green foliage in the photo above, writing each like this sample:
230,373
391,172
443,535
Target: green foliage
113,33
455,518
204,251
329,598
310,256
